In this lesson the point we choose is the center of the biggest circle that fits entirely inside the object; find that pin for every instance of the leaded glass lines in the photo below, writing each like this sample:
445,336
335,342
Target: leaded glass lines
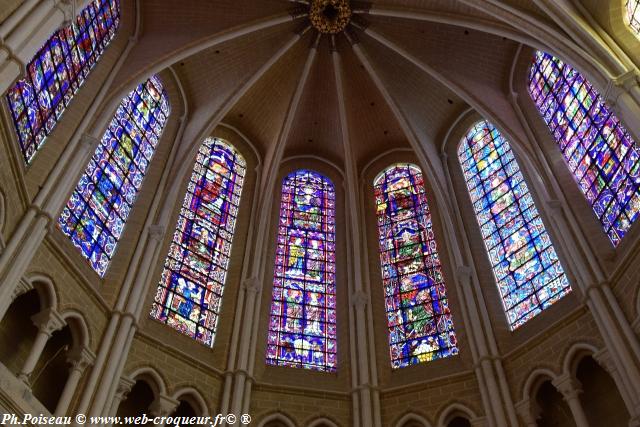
526,267
189,295
633,15
418,316
57,71
95,215
302,326
600,152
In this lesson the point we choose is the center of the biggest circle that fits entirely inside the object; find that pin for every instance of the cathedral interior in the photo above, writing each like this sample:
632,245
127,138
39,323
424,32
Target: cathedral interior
320,213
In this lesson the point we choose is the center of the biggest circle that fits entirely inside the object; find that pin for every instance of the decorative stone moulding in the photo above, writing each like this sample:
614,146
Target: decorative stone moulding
330,16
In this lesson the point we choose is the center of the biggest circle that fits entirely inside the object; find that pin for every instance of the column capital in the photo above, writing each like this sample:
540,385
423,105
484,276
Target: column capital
81,359
604,359
67,9
156,232
48,321
359,298
528,412
252,285
163,406
124,387
568,386
464,273
479,422
88,142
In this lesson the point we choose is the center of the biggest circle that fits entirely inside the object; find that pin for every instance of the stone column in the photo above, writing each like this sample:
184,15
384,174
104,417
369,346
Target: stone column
79,363
604,359
124,387
570,389
22,36
47,321
528,412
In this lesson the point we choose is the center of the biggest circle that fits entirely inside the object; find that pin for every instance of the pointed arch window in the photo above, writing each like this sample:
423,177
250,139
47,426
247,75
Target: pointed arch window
189,295
633,15
526,267
418,316
600,152
56,72
97,211
302,327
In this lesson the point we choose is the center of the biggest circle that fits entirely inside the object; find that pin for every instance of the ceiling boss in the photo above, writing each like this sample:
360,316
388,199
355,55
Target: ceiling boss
330,16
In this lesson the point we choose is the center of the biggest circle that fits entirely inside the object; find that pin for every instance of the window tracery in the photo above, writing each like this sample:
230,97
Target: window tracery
302,328
418,316
57,71
189,294
526,267
95,215
600,152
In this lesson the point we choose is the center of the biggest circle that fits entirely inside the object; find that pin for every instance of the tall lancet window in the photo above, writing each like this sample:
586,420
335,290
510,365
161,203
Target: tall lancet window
97,211
418,316
527,270
633,15
302,327
601,154
57,71
189,295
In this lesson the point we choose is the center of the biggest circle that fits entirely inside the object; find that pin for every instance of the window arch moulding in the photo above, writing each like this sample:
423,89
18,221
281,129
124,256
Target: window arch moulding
57,71
189,295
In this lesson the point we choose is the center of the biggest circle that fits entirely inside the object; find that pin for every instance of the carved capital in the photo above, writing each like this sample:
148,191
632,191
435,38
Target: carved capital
163,406
554,206
67,8
604,359
124,387
48,321
252,285
359,298
479,422
156,232
464,274
81,359
569,387
88,142
528,412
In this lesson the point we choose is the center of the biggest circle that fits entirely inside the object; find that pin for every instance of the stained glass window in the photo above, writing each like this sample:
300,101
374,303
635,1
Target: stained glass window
601,154
97,211
633,15
527,270
189,295
302,327
57,71
418,316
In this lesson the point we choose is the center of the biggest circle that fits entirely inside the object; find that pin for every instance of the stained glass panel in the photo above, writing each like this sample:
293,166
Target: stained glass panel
302,327
97,211
601,154
527,270
57,71
633,15
189,295
418,316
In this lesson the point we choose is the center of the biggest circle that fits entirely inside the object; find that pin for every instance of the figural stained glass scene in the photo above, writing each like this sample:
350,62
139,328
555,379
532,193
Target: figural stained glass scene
56,72
526,267
302,327
95,215
600,152
418,316
189,295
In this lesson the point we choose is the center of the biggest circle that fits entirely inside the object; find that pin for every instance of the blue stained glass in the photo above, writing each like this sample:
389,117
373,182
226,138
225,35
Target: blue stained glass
189,295
418,316
633,15
302,327
57,71
527,270
600,152
97,211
